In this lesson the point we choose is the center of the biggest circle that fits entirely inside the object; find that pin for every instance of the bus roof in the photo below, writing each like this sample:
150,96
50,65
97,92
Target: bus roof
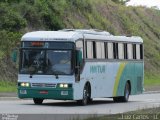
75,34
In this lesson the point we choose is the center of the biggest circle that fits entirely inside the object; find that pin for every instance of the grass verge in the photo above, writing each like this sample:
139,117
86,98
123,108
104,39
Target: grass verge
6,86
152,82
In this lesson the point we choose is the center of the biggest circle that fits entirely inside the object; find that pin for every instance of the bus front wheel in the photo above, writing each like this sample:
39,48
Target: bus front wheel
37,101
86,96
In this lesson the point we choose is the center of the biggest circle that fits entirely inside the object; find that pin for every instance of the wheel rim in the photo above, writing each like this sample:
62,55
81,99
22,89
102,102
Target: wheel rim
85,95
127,92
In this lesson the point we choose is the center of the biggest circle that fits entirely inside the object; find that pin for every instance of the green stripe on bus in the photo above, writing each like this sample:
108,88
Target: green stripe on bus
120,70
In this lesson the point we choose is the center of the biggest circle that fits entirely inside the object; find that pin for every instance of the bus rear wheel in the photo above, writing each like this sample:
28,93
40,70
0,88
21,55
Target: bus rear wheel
86,96
124,98
37,101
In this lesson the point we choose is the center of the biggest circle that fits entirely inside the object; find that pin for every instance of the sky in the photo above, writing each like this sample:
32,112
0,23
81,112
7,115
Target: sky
148,3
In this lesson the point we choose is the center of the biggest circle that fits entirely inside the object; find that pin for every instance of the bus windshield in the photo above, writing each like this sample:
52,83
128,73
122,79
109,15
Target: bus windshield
38,61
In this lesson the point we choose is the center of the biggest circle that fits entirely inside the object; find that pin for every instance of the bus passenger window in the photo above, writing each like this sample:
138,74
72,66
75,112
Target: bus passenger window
130,51
89,49
121,50
103,50
100,50
138,51
110,50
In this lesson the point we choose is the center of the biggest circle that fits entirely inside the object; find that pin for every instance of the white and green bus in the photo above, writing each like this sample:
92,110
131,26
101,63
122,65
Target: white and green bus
77,64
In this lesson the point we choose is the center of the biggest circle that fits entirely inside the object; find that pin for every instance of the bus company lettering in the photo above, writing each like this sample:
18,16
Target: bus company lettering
97,69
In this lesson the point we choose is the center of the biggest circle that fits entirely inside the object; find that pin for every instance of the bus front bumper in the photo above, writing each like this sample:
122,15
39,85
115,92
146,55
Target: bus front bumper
56,93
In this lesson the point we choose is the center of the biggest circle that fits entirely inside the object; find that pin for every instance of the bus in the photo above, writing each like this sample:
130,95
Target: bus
80,64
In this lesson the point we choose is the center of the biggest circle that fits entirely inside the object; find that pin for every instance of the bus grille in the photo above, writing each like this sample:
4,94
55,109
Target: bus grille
44,85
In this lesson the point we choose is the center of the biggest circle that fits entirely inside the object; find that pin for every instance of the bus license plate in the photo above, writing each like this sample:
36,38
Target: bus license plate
64,92
23,91
43,92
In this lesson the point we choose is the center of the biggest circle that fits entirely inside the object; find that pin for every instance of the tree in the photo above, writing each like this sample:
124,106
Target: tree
120,1
10,1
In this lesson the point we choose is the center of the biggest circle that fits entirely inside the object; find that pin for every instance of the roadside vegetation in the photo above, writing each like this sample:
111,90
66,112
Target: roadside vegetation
7,86
21,16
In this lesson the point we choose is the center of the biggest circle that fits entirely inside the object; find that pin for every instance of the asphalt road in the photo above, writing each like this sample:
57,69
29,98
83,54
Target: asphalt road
98,106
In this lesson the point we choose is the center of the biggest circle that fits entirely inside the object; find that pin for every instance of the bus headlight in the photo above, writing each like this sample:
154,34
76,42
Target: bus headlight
27,84
65,85
23,84
61,85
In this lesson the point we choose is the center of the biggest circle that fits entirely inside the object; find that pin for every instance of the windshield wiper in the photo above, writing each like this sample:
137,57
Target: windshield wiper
56,73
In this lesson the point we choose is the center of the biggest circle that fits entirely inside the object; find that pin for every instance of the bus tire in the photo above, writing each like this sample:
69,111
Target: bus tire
124,98
90,100
86,96
37,101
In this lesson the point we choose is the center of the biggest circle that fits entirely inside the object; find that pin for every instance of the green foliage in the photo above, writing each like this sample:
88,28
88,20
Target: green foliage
39,14
6,86
10,20
120,1
84,5
20,16
10,1
30,14
51,13
151,79
8,40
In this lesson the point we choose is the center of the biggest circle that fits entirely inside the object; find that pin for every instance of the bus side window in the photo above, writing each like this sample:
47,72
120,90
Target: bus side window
110,50
100,50
138,51
121,50
130,51
89,48
103,50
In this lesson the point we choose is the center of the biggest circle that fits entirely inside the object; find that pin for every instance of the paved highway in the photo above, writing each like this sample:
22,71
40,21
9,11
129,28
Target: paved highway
98,106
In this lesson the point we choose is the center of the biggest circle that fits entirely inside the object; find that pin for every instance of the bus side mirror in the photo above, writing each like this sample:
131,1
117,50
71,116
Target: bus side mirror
79,57
79,63
14,55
